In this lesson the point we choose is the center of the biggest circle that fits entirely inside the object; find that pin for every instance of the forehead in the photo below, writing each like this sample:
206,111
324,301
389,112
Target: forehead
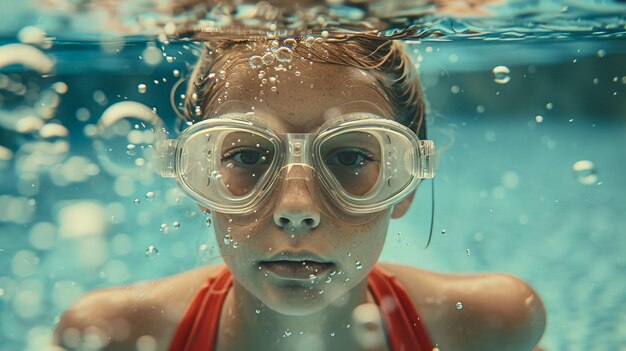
299,95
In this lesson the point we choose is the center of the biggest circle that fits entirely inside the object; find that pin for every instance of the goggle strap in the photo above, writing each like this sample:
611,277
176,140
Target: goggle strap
428,159
166,160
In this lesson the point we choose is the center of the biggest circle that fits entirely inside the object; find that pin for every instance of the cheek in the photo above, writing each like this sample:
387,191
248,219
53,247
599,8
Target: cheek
365,242
241,243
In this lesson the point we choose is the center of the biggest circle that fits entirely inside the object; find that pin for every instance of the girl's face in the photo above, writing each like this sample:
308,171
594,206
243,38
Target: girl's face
338,253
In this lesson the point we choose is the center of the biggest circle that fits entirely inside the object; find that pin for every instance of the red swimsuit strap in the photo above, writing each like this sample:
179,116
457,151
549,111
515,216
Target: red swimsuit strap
198,329
405,330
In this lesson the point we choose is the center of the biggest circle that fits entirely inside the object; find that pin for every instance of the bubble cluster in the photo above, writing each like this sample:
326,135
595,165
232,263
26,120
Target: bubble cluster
281,53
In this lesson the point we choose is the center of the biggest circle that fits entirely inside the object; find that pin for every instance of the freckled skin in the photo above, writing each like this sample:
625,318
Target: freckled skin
296,107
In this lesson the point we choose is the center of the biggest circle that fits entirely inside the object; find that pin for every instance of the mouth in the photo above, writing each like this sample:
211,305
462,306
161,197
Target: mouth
297,266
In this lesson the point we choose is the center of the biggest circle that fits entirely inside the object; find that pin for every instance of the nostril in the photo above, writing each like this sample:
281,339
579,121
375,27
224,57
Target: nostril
309,222
282,221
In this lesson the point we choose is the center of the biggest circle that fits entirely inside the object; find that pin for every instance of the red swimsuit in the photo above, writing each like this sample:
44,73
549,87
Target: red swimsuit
405,331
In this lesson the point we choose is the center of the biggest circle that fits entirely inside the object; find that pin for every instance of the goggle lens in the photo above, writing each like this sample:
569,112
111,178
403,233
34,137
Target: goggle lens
245,160
354,160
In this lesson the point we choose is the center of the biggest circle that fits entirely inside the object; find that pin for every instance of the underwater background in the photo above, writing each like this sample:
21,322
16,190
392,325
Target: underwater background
527,98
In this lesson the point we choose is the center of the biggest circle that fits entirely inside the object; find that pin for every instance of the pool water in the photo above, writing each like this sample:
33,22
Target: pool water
532,120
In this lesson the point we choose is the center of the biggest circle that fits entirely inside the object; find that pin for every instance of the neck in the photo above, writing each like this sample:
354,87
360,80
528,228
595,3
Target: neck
246,323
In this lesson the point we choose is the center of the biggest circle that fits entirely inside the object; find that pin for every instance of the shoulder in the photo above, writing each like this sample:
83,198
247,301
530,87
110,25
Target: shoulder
474,312
115,318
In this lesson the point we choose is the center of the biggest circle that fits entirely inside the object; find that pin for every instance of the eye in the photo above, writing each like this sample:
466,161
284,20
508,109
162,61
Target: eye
353,158
243,156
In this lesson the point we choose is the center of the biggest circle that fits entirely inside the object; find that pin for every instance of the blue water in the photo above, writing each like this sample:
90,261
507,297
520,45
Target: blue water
508,197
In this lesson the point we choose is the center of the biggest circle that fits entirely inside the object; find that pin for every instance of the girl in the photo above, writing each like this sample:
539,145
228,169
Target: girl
303,149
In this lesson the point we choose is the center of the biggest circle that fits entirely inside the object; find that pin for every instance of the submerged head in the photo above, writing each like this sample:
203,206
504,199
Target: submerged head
299,248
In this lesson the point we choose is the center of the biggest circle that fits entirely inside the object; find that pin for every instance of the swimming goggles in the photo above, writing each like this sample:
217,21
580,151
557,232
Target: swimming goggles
358,163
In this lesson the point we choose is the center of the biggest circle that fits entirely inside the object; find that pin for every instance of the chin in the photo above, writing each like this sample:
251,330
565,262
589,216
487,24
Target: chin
299,299
295,299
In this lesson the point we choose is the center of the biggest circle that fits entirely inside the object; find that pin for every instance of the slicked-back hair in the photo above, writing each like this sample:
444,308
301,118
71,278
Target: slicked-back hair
386,60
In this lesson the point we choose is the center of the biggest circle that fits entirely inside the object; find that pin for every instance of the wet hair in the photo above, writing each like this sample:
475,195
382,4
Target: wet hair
385,59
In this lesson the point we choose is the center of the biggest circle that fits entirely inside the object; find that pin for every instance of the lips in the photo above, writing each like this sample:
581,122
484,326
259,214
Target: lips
296,266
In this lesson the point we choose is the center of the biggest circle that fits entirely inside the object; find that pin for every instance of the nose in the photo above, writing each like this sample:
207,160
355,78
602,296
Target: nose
296,208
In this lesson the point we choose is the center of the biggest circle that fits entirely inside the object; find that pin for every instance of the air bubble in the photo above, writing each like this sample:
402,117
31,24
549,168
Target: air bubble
459,306
141,88
501,74
60,87
228,239
152,55
83,114
5,154
443,232
585,172
150,195
268,58
176,224
136,201
235,245
309,41
290,42
165,228
287,333
152,252
121,124
131,149
53,130
283,54
25,55
538,118
205,252
468,252
100,97
359,265
31,35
